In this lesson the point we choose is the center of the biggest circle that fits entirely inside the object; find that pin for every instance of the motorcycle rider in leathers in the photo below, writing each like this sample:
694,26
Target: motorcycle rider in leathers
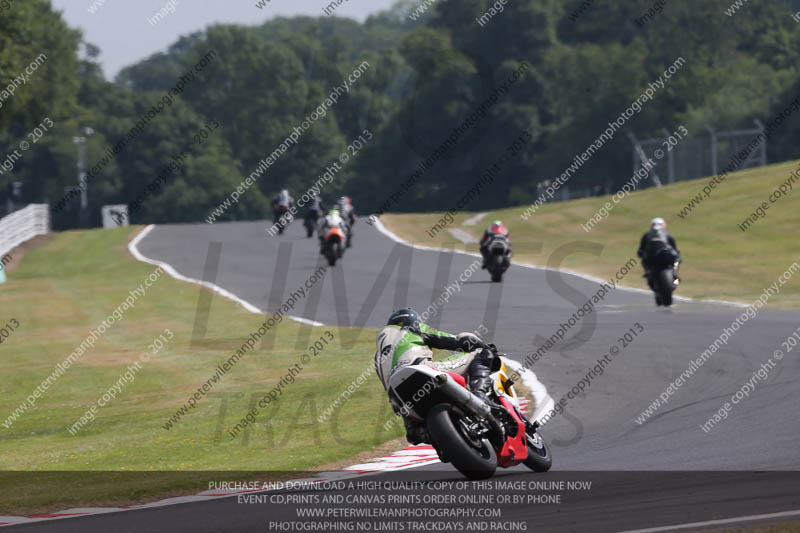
282,203
496,230
407,340
332,220
653,243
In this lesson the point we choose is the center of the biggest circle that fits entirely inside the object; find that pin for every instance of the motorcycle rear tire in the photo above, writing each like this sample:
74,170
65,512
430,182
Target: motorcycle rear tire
666,282
331,254
474,463
496,268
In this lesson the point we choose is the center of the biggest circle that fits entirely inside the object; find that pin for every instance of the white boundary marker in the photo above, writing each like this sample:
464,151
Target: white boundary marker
751,518
133,248
408,457
462,236
543,400
471,221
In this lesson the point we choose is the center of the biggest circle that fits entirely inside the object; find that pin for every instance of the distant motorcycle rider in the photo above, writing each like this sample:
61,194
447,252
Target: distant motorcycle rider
345,207
332,220
315,209
407,340
282,203
655,244
497,230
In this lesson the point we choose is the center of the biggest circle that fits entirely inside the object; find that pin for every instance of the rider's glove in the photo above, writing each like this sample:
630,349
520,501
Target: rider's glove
470,341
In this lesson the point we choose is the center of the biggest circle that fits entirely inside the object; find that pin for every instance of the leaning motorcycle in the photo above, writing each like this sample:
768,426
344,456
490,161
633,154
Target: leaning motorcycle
499,257
665,276
333,244
465,431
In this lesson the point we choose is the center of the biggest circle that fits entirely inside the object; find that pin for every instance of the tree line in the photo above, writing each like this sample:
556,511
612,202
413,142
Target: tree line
429,71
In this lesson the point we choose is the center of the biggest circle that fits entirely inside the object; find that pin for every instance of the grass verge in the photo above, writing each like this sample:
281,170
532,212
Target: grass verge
66,288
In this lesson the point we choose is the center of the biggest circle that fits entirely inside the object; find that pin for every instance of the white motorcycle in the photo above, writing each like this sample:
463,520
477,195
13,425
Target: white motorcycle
466,431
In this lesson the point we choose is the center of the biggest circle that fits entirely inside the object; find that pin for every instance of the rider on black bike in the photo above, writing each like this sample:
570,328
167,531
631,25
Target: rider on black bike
497,230
656,243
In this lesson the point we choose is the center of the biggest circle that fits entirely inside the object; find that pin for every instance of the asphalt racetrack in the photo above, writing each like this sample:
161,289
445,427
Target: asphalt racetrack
664,471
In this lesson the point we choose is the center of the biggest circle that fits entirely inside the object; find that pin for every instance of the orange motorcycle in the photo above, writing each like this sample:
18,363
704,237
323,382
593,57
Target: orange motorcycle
333,246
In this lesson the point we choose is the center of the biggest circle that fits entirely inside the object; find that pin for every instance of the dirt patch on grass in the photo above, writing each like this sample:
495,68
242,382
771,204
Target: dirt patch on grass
17,254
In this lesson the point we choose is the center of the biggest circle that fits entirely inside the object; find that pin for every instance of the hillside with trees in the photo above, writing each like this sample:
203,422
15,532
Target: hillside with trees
427,74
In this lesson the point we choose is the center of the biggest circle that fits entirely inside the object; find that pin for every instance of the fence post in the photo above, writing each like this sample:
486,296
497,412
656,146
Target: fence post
642,158
713,149
635,143
670,158
760,126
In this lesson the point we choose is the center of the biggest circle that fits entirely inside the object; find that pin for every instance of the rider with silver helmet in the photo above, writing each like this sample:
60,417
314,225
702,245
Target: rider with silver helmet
281,204
654,243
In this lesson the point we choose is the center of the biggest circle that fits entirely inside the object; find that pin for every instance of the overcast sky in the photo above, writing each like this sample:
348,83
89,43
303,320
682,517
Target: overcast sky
122,31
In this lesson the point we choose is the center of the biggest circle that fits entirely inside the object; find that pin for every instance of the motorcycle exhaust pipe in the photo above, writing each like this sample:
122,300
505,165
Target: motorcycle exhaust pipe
469,402
462,396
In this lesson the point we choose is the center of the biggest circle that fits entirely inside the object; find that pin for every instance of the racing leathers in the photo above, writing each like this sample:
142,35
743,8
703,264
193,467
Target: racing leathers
349,215
282,203
331,220
401,346
486,241
655,242
315,209
347,210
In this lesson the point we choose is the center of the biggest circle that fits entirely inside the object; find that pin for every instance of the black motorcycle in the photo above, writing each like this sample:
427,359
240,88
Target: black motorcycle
498,257
310,223
664,275
279,218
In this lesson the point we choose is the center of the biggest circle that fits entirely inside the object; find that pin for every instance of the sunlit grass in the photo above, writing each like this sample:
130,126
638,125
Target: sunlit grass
720,261
67,287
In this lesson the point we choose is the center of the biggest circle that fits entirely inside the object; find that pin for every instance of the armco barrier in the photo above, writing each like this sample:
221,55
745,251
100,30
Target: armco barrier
23,225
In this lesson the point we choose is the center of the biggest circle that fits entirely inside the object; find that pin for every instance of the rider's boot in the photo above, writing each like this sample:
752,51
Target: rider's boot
416,433
480,382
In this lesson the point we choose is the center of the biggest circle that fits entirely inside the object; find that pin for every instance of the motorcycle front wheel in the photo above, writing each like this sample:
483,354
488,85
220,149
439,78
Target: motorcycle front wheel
473,457
539,459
